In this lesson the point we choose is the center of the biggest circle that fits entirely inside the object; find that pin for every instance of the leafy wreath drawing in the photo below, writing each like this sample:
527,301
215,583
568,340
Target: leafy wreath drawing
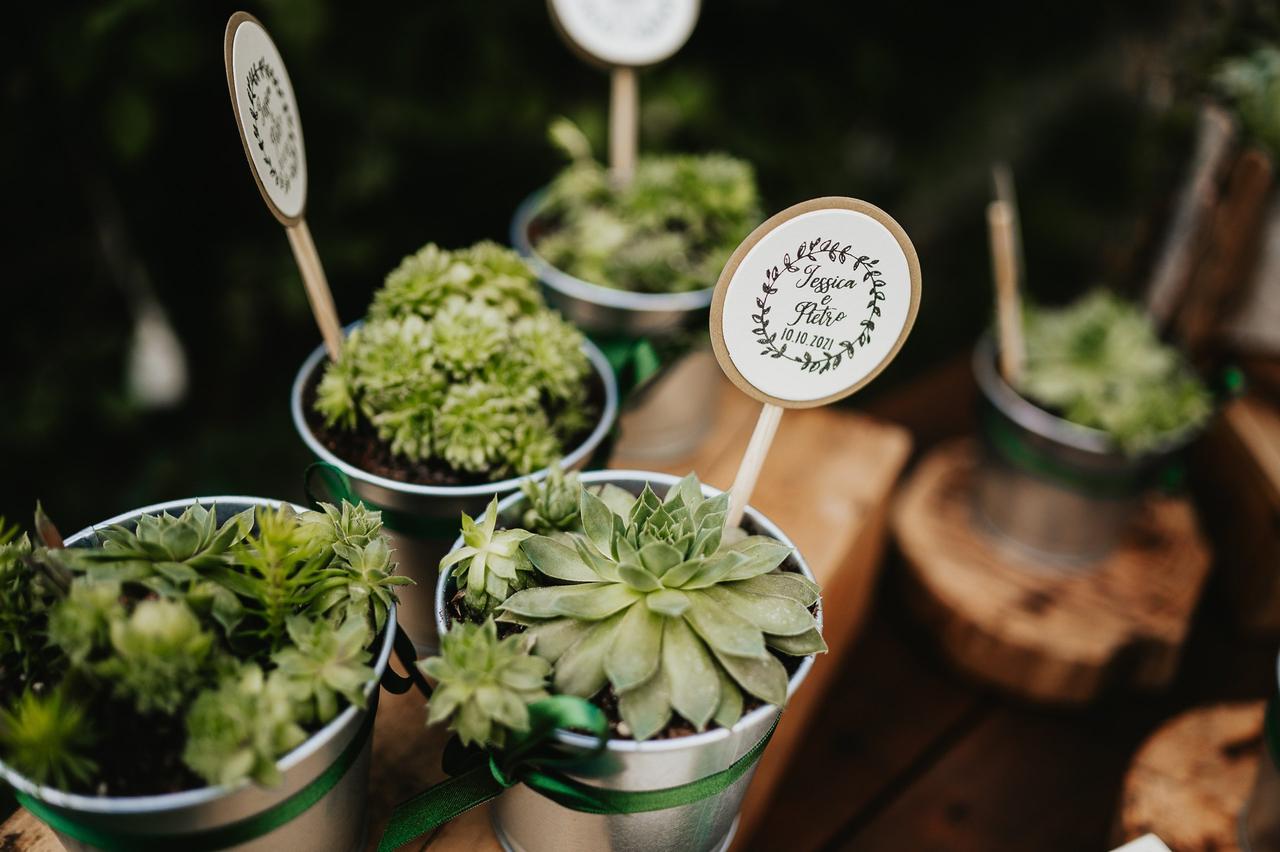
836,253
280,125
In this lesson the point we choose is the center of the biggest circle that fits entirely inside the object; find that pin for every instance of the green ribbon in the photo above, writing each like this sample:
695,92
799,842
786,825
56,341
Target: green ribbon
533,761
635,361
338,484
249,828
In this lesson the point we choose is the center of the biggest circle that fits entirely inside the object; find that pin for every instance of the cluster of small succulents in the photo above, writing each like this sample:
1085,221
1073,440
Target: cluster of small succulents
243,635
1100,363
652,600
461,361
671,229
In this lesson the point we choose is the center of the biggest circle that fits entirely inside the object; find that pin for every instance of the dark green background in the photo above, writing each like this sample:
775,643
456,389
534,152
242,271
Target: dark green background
427,121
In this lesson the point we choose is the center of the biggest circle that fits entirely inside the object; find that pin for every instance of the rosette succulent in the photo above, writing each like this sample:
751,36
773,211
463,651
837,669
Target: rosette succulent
485,684
228,644
671,229
489,566
461,365
656,601
1100,363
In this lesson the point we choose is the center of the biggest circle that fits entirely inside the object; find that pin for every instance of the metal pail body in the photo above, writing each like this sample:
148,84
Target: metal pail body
525,821
334,823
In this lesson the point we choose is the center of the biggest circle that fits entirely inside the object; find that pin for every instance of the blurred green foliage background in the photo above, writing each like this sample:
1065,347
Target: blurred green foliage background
124,180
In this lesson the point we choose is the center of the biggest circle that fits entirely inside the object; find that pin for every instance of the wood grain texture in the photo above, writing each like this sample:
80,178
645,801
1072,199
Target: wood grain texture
826,483
1047,635
1190,779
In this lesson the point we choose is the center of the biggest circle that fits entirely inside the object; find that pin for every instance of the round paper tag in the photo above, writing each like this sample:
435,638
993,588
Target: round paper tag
625,32
815,302
267,115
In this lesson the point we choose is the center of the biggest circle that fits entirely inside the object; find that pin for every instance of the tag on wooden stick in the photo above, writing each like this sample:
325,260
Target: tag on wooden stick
810,308
266,114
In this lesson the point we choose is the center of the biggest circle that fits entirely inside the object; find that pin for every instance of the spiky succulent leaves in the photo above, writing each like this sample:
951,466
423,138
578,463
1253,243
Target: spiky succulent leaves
47,737
552,502
238,728
461,362
160,656
326,662
80,623
25,597
361,551
490,565
672,228
657,604
484,684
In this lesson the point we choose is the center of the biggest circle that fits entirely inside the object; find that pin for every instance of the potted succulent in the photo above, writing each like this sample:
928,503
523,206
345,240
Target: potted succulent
459,382
1102,407
681,638
635,266
199,675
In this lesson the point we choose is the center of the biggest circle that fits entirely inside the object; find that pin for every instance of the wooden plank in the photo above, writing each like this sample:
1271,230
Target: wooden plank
1190,780
826,483
1061,636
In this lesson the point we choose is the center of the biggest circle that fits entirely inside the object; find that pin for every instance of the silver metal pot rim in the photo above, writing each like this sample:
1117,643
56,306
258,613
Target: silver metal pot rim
483,489
586,291
200,795
1036,420
675,743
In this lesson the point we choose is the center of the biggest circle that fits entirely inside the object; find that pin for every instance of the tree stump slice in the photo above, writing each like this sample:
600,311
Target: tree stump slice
1060,635
826,483
1191,778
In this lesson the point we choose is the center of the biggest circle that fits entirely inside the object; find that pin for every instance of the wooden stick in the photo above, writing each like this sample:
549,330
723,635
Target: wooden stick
623,125
304,252
1006,191
1008,305
752,461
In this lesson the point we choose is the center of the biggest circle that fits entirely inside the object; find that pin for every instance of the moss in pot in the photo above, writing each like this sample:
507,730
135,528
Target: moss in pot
678,631
160,665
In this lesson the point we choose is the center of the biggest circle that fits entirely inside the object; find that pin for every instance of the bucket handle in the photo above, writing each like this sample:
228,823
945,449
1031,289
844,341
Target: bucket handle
406,653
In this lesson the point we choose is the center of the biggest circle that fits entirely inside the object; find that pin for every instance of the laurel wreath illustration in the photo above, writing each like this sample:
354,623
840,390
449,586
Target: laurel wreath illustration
280,126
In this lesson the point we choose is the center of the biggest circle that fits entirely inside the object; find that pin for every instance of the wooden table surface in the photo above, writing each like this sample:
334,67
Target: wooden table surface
905,754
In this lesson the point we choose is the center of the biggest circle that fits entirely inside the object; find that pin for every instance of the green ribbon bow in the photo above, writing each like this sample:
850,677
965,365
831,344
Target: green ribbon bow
635,361
250,828
338,484
533,760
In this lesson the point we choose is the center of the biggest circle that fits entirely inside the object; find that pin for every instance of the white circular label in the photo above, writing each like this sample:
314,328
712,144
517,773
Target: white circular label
819,303
627,32
269,122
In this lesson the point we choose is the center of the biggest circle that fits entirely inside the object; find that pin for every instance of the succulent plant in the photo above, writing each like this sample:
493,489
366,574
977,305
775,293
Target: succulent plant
325,663
239,728
1252,83
1100,363
462,363
653,599
552,502
159,656
490,565
80,623
366,589
46,737
485,684
671,229
23,605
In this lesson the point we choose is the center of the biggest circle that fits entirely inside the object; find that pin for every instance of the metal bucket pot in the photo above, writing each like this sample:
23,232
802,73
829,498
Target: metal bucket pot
1063,491
336,821
525,821
1260,819
676,410
422,520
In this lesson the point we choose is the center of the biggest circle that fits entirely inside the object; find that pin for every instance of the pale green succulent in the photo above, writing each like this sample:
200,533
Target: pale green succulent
1252,83
326,662
655,600
238,728
361,550
47,738
24,603
159,656
485,684
80,623
671,229
461,362
490,565
1100,363
552,503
